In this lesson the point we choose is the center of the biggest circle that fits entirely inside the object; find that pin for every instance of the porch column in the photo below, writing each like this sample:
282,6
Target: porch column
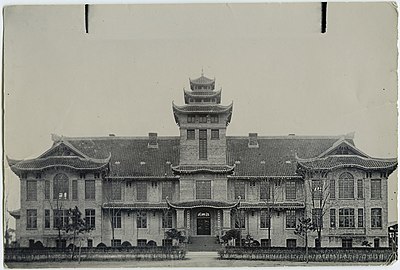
188,219
226,219
180,219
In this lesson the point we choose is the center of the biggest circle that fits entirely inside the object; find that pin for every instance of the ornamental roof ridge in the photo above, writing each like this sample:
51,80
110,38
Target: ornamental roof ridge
94,160
300,137
336,155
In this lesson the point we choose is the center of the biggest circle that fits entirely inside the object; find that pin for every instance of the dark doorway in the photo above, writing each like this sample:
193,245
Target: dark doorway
203,223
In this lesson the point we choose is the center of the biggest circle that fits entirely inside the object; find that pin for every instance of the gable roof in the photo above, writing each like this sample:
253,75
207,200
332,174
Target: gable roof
131,156
274,156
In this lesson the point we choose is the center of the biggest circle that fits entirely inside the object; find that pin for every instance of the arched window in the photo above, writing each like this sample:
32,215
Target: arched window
61,187
346,186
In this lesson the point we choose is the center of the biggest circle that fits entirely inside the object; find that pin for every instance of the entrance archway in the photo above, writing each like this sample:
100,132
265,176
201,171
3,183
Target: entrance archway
203,223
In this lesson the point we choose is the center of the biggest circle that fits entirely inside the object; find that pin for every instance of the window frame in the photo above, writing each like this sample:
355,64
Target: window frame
291,190
31,190
203,189
191,134
90,189
346,218
141,220
290,219
346,186
31,219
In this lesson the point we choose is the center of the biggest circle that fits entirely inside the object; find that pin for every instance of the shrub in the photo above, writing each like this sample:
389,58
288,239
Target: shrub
126,244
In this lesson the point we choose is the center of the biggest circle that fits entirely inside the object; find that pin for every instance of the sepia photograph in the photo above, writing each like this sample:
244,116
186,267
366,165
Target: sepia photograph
200,135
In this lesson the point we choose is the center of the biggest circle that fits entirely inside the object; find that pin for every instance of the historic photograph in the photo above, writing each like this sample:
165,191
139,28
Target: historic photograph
200,135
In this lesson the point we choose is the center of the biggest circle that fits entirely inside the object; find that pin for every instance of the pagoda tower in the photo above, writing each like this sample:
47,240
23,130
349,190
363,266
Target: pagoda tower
202,122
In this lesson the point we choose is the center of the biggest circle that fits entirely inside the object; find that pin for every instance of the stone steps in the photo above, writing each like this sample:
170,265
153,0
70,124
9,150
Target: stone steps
203,243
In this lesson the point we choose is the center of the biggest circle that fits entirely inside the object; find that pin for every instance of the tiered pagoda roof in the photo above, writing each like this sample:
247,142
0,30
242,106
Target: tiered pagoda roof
202,83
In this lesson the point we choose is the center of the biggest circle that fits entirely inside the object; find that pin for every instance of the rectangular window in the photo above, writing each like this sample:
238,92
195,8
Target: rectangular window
360,221
117,220
203,144
141,220
47,219
291,243
47,189
376,243
215,134
347,243
265,190
240,190
376,191
214,118
90,189
167,220
202,118
167,242
360,189
346,218
346,186
203,189
141,191
317,189
116,190
265,242
31,190
142,242
90,218
115,242
376,218
74,189
332,189
191,119
290,219
191,134
240,220
61,187
317,217
60,218
290,188
166,190
265,219
332,218
90,243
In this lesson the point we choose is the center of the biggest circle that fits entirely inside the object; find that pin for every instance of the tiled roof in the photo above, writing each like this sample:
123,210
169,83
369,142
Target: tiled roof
275,156
15,213
73,162
131,156
261,205
136,205
203,93
188,169
202,80
202,203
206,108
341,161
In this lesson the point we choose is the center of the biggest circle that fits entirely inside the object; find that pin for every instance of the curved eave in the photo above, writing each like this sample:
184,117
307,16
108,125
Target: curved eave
16,165
309,164
206,81
15,213
202,204
245,205
209,94
135,206
222,109
202,170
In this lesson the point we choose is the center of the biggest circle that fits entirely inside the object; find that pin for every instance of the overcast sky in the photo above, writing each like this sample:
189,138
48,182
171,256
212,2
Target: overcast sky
271,60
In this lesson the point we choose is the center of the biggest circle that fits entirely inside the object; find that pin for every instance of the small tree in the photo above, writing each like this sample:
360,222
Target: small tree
320,194
269,195
174,234
77,225
112,191
303,228
231,234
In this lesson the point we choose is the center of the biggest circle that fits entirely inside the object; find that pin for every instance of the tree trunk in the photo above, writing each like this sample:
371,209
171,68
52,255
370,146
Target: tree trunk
306,239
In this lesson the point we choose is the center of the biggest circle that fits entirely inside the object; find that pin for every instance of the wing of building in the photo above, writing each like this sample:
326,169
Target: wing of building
204,183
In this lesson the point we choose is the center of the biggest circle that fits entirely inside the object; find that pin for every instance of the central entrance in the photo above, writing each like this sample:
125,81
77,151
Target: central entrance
203,223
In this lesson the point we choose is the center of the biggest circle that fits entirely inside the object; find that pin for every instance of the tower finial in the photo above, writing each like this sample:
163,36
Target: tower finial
202,71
